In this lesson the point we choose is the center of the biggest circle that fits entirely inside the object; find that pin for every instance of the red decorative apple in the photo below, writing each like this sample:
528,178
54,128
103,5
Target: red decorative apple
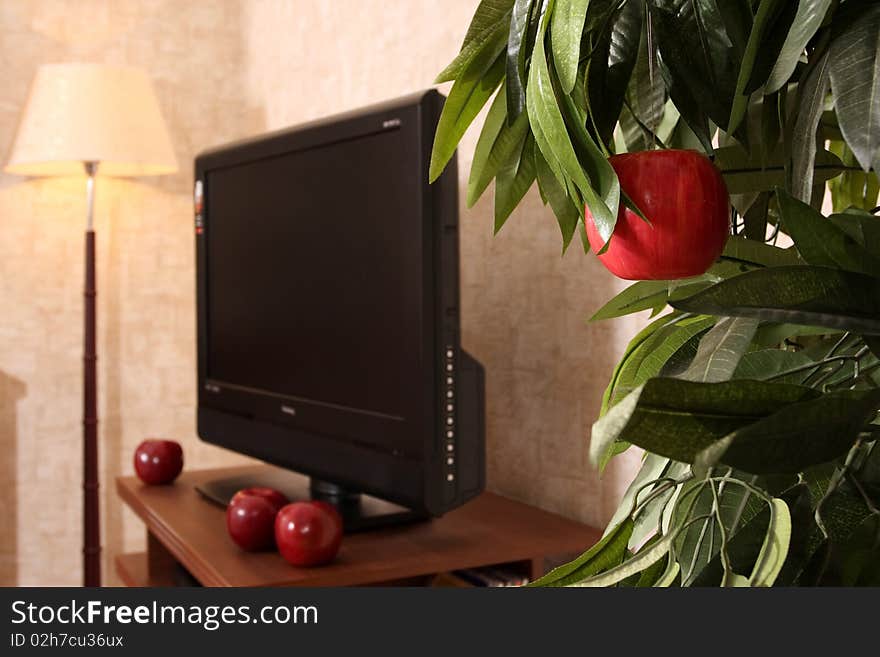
308,533
684,197
158,461
250,517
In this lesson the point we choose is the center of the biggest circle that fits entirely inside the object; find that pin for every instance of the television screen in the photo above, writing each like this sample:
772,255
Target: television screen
321,304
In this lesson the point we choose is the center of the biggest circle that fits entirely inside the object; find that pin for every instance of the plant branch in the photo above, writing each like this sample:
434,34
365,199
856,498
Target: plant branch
669,484
811,366
725,556
852,479
757,491
637,506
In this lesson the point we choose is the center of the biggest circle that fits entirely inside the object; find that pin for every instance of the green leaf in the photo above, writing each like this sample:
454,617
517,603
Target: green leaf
514,181
855,83
594,163
771,45
751,252
803,141
490,19
682,358
816,296
767,11
806,22
652,574
650,353
647,522
652,468
608,430
769,124
820,242
670,125
678,419
737,16
641,561
517,50
856,561
604,555
775,548
701,543
770,363
566,28
552,138
699,61
737,581
693,548
772,334
755,215
504,153
598,14
853,189
641,338
567,215
746,542
611,67
721,350
669,575
482,169
800,506
843,513
799,435
828,124
745,173
646,101
649,294
682,136
466,98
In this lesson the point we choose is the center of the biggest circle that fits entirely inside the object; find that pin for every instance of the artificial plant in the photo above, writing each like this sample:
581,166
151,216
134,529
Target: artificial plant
755,390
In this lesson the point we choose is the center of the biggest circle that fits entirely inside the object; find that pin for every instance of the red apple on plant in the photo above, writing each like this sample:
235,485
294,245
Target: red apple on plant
308,533
250,517
684,197
158,461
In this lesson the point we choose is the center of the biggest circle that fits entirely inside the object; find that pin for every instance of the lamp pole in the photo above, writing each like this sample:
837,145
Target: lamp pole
83,114
91,504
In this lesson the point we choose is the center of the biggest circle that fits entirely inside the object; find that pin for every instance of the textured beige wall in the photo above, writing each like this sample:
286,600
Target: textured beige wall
225,69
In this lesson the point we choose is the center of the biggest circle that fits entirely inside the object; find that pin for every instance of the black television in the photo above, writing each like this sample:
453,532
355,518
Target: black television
328,315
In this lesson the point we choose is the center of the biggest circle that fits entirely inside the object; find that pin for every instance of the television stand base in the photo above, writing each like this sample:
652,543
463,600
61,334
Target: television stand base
359,512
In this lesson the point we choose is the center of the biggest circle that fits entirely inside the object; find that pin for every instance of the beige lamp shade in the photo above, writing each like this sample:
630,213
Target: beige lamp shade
80,113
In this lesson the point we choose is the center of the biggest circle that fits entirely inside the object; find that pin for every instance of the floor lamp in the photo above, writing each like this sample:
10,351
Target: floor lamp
91,118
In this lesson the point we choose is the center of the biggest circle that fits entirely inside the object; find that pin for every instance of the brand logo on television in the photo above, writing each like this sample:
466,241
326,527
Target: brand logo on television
288,410
391,123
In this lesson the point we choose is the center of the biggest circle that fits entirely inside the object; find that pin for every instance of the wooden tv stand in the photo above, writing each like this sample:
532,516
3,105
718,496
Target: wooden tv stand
184,528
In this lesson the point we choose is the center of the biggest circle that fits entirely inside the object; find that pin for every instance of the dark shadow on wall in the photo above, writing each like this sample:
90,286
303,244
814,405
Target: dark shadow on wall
11,390
200,90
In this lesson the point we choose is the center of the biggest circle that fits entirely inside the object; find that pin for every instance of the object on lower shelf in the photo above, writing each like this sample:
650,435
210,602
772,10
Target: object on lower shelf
487,576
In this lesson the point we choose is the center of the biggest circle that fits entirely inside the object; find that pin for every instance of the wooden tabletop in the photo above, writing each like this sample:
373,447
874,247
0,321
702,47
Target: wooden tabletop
488,530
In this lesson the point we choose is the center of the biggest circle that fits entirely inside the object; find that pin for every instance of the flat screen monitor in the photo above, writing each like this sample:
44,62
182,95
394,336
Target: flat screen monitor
328,308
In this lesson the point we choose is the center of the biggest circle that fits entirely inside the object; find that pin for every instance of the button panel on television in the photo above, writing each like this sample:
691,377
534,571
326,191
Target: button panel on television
448,416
